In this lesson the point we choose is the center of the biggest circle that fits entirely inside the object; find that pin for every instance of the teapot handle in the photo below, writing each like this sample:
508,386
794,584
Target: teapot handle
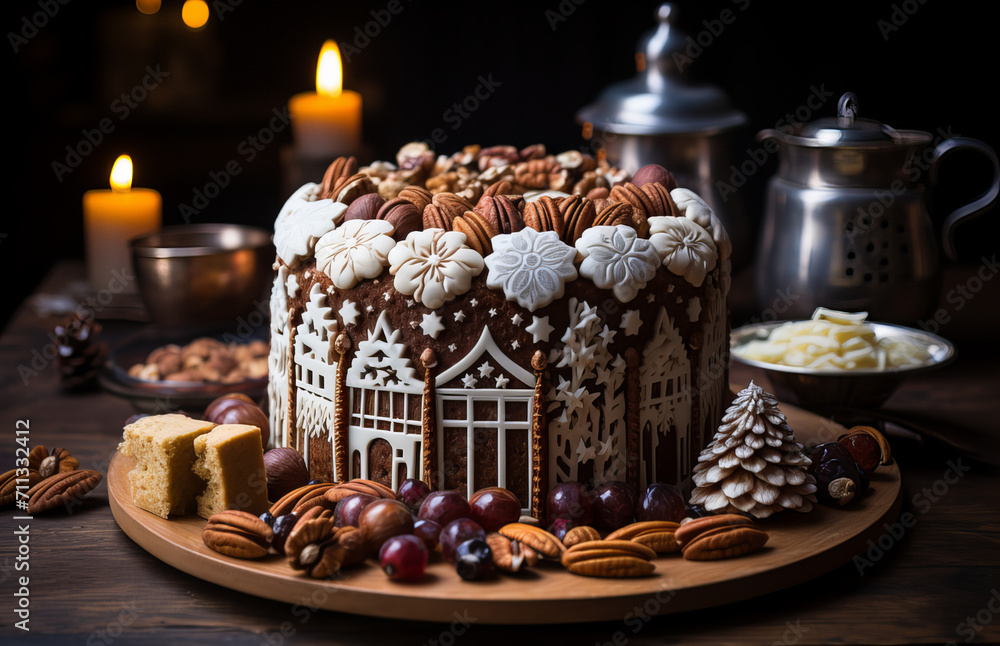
978,206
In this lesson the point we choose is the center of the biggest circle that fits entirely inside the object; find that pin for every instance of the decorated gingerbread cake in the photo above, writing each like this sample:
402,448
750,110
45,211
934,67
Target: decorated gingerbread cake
498,317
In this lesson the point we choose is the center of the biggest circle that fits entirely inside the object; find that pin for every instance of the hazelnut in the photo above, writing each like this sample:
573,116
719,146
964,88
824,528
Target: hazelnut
286,471
383,519
364,207
654,173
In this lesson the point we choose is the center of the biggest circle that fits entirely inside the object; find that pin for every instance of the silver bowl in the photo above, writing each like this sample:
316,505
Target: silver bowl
829,389
204,274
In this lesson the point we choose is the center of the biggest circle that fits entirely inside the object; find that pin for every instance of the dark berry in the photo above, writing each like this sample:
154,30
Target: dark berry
403,557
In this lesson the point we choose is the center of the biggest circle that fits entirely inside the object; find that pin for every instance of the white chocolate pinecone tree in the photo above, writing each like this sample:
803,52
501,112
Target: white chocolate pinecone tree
753,463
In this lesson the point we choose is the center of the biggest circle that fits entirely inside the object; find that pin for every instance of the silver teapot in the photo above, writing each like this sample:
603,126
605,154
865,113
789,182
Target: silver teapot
846,222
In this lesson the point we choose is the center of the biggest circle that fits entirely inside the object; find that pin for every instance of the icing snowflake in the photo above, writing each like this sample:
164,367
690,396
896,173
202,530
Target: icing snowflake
694,208
356,250
531,267
302,221
686,249
539,329
431,325
434,266
616,258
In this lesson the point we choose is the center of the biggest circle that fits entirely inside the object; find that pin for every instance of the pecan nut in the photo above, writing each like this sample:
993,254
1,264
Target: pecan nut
642,206
306,547
338,492
287,503
478,230
417,196
658,535
609,558
580,534
61,489
353,187
723,536
237,533
578,215
544,215
536,538
443,210
510,555
614,214
9,482
660,198
340,169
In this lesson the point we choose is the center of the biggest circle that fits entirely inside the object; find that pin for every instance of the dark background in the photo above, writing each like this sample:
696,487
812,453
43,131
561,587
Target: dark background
937,70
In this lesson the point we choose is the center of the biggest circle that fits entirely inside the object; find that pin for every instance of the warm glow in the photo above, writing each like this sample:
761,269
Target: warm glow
121,174
194,13
148,7
329,71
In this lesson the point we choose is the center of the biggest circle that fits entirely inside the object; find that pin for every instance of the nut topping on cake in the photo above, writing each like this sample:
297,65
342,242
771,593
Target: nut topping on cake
339,170
544,215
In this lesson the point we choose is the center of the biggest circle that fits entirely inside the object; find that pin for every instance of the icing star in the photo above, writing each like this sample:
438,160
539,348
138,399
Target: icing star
493,311
516,319
469,381
539,329
651,297
431,325
386,296
694,309
410,302
514,344
631,322
502,381
585,453
473,302
608,335
349,313
459,316
486,369
452,346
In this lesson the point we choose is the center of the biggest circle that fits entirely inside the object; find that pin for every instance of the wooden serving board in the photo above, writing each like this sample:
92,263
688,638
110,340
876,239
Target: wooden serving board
801,547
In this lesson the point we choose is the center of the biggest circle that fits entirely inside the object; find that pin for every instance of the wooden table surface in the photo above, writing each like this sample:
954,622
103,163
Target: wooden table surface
936,580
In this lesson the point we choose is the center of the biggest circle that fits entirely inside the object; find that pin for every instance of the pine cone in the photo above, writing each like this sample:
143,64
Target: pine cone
80,359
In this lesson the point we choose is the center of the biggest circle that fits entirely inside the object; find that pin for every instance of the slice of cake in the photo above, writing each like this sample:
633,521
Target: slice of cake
163,449
231,461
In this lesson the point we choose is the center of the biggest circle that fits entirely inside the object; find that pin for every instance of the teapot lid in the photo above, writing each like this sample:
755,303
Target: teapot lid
847,127
660,100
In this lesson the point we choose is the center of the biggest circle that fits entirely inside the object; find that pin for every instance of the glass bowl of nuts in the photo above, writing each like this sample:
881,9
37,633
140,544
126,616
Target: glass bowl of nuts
157,370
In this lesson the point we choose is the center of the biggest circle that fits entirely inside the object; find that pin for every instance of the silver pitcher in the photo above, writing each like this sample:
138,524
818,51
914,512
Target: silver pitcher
846,223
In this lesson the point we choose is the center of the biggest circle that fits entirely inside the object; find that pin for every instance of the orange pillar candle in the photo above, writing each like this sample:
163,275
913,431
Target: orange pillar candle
327,122
113,217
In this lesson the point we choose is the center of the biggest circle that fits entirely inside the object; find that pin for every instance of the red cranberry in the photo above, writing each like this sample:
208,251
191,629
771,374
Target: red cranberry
457,532
614,506
428,531
349,509
494,507
662,502
412,492
570,500
403,558
443,507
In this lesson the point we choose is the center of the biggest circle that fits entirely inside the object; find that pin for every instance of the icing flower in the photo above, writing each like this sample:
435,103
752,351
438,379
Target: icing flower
616,258
530,267
356,250
434,266
301,222
686,249
694,208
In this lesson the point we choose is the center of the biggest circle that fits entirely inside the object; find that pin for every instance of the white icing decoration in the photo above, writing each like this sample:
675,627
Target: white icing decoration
665,398
616,258
486,369
539,329
607,335
531,267
279,301
302,221
650,297
514,345
410,302
380,361
452,347
694,309
486,344
434,266
631,322
517,320
318,326
386,297
349,313
369,308
277,361
469,381
694,208
502,381
493,312
686,249
459,316
431,325
292,286
473,302
354,251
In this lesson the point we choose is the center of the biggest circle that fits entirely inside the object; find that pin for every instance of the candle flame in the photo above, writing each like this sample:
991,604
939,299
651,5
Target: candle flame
329,71
121,174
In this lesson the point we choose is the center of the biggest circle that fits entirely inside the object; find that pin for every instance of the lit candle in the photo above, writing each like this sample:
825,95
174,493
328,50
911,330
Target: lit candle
327,122
111,219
